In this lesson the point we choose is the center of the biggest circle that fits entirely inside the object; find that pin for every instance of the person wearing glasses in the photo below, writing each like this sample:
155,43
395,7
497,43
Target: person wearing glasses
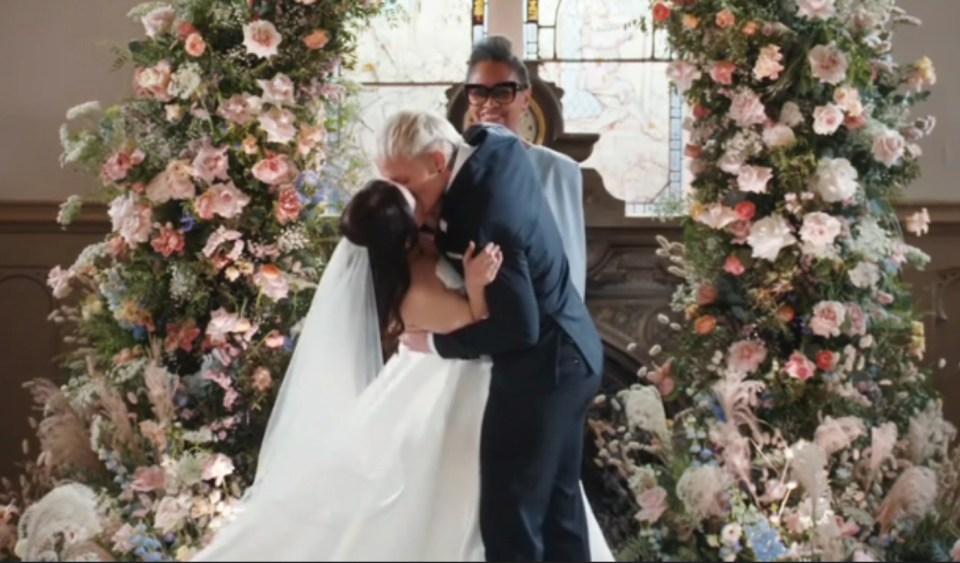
498,91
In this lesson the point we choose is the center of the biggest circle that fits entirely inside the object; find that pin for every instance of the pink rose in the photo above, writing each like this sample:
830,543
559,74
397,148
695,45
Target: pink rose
683,75
827,119
856,320
225,200
722,72
733,266
747,109
888,147
848,98
211,163
828,317
261,38
279,125
153,82
800,367
175,182
746,210
271,282
278,90
239,109
820,229
288,204
855,123
276,169
169,242
778,135
195,45
149,479
828,64
815,9
667,386
653,503
740,231
119,164
745,356
131,219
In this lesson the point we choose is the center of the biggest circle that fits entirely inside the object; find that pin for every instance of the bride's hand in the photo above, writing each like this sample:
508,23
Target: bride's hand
481,269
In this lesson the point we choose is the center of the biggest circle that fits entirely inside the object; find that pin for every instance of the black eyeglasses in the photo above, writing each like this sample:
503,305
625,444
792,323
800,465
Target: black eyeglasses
502,93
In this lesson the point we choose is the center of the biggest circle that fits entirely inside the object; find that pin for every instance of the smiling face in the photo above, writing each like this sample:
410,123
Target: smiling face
495,95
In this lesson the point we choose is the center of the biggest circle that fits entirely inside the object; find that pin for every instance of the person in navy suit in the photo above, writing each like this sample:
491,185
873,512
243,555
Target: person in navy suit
547,355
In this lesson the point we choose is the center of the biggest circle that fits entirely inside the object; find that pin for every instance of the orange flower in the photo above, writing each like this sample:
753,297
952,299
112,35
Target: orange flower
316,40
706,294
705,325
786,313
750,28
690,22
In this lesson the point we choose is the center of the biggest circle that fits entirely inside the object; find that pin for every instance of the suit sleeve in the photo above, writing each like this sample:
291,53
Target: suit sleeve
514,321
512,191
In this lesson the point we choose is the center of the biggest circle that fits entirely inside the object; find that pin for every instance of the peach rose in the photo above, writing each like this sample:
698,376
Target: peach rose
725,19
722,72
195,45
733,266
317,40
705,325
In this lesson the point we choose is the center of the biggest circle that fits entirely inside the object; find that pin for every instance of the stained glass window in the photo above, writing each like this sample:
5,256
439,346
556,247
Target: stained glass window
613,74
409,59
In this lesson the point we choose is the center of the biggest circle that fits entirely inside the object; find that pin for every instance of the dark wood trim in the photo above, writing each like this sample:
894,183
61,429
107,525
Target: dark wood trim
41,217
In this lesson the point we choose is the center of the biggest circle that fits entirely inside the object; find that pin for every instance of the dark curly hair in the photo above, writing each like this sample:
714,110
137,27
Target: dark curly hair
380,218
496,49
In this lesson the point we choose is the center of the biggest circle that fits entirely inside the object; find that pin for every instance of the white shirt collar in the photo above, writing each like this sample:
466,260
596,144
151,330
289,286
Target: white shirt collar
463,153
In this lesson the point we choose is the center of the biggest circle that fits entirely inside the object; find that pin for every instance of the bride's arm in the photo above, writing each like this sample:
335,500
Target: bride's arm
430,306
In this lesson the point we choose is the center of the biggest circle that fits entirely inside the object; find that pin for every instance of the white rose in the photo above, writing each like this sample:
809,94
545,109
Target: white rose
754,179
815,9
865,275
778,135
888,147
820,229
769,236
791,115
835,180
158,21
827,119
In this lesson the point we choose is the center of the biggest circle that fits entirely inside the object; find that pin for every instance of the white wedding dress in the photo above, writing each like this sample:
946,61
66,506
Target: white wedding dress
359,466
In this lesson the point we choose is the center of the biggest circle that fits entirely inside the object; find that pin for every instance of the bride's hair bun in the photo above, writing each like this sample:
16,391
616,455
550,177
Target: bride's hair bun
377,216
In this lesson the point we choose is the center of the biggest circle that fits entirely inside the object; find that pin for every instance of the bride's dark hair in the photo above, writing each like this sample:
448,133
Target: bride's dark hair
380,218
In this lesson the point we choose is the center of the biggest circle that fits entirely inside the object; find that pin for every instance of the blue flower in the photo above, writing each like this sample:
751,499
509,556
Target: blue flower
706,453
153,556
288,344
765,541
188,222
307,178
717,410
139,333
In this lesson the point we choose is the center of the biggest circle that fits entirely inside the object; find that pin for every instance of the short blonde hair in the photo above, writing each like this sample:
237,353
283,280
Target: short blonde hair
411,134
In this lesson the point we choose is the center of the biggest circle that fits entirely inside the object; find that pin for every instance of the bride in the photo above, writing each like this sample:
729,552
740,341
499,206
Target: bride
366,461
